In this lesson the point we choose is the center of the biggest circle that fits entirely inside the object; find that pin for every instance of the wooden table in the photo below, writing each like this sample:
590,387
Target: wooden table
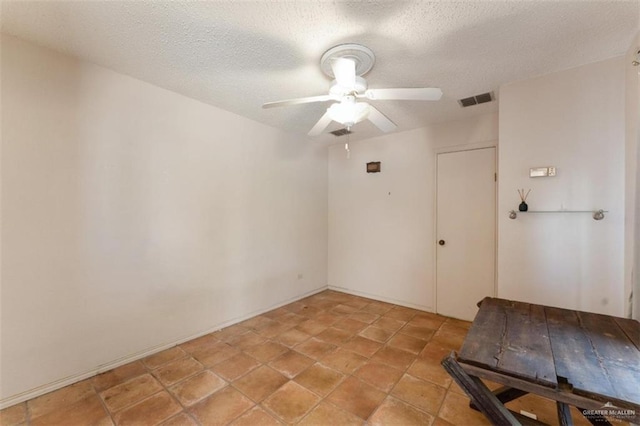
582,359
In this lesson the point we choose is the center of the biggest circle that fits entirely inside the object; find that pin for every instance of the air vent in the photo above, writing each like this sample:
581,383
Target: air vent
341,132
476,100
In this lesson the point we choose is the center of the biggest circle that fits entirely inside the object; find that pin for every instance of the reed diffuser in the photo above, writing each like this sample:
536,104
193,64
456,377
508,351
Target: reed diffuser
523,207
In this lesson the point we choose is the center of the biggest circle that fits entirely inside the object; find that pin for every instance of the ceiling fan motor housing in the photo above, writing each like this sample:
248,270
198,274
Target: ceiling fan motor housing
359,87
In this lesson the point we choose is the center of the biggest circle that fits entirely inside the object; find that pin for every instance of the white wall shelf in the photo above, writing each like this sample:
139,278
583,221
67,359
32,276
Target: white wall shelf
597,214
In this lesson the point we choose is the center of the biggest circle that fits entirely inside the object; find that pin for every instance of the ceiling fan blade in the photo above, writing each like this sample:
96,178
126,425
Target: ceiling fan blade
417,94
344,71
320,125
321,98
380,120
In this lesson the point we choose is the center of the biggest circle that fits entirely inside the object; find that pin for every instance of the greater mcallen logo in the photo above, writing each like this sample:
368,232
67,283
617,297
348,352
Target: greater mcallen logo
610,410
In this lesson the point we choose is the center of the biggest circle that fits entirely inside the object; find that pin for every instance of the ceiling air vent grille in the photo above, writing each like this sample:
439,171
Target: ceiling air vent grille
340,132
476,100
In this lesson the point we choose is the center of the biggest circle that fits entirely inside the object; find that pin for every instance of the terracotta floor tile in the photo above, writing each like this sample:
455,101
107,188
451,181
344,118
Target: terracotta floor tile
378,375
344,360
363,346
379,308
296,307
291,363
14,415
130,392
419,393
215,354
246,340
450,326
407,343
118,375
344,309
459,323
430,371
60,398
391,324
311,327
327,414
376,333
327,319
395,412
291,402
182,419
314,348
334,336
273,330
178,370
366,317
393,357
267,351
156,360
276,312
85,411
260,383
221,408
198,387
292,337
199,343
455,410
291,318
440,422
235,367
419,332
357,397
319,379
401,313
427,321
356,302
434,351
256,417
351,325
230,332
150,411
448,339
257,323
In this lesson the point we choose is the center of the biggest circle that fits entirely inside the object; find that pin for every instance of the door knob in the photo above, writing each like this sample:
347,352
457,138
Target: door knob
441,242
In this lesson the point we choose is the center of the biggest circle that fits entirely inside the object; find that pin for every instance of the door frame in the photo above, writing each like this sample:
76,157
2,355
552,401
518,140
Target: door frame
452,149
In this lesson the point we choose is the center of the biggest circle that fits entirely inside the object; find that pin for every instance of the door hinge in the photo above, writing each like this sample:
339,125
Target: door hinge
495,177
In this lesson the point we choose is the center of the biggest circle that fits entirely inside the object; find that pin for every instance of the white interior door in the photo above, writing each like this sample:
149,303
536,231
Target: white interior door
466,231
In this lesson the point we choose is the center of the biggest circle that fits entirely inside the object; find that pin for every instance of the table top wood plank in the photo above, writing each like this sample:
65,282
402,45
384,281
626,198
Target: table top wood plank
631,328
483,343
617,354
526,348
575,359
511,337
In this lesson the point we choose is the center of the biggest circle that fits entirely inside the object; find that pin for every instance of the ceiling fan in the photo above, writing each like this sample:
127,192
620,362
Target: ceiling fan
347,63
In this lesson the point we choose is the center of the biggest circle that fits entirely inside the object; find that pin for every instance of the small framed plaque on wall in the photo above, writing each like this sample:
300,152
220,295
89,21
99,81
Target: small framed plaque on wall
373,167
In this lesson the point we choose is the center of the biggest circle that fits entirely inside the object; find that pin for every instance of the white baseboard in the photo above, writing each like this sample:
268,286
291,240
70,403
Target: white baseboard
50,387
382,298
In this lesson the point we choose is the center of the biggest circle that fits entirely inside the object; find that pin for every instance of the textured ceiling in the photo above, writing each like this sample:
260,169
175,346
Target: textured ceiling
239,54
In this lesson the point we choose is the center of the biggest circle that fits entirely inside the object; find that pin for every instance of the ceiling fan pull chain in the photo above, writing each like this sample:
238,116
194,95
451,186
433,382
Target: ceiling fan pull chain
346,146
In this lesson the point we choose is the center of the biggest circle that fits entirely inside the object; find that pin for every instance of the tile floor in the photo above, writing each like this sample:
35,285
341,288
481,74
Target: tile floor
330,359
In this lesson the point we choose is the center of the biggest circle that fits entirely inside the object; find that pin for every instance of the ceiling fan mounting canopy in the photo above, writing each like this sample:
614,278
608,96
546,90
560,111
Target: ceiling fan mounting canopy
346,63
361,55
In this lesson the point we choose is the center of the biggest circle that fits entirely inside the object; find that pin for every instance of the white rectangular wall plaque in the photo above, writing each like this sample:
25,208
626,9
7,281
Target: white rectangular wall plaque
542,171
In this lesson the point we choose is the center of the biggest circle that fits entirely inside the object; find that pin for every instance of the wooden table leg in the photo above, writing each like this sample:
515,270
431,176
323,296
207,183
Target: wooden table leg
504,394
564,414
479,394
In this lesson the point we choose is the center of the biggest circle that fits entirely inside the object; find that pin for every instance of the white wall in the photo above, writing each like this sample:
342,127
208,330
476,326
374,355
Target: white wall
134,217
381,225
573,120
632,184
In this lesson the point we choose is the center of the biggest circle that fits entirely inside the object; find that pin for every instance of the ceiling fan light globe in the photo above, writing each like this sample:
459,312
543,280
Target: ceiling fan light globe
348,113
